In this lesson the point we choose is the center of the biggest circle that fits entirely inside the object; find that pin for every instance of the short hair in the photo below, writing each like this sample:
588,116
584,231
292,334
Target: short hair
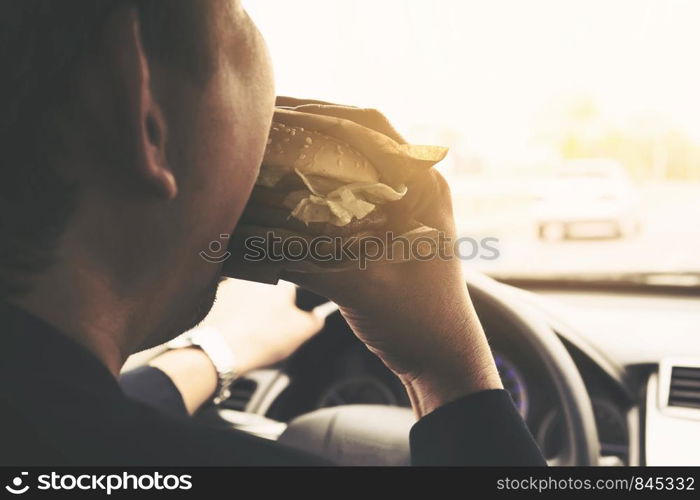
41,45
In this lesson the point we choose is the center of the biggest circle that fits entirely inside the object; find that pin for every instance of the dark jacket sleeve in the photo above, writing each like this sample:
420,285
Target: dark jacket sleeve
481,429
154,388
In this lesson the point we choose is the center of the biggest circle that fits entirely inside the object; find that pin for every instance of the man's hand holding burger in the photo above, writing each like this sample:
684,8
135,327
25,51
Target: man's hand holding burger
416,316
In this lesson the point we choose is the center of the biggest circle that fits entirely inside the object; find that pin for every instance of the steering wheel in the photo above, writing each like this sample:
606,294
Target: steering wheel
580,445
378,434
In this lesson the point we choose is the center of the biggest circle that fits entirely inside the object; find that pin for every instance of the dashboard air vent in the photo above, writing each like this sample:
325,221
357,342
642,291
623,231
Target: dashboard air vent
684,390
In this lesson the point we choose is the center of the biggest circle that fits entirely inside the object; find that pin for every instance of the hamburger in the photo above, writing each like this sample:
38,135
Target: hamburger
323,175
317,185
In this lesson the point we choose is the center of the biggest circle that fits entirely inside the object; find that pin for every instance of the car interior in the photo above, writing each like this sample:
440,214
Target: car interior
591,302
596,385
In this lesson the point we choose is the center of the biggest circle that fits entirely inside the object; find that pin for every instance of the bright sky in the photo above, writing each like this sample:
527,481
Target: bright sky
488,68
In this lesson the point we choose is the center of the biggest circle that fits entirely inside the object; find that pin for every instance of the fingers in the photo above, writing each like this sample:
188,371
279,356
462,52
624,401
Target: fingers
325,310
293,102
367,117
396,162
428,200
316,323
288,289
231,287
309,325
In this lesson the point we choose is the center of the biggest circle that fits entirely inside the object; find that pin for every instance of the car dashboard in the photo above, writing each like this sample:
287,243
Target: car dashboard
646,344
623,344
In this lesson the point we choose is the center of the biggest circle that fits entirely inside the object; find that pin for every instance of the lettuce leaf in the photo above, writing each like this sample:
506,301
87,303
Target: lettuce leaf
341,205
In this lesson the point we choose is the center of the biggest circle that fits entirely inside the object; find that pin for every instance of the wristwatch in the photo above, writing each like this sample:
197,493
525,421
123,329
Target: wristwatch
212,343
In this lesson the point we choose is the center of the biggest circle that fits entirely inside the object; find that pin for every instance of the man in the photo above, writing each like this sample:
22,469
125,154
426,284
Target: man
131,134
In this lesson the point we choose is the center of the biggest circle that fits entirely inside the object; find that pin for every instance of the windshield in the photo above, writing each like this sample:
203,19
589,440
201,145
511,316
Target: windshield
574,126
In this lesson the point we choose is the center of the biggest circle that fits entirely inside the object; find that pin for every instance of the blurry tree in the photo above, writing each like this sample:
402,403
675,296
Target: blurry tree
649,145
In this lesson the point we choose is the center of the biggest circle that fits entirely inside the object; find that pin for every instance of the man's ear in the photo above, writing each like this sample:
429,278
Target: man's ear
145,123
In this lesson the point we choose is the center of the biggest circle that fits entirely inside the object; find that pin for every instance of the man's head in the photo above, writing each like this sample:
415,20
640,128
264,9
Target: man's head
134,133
